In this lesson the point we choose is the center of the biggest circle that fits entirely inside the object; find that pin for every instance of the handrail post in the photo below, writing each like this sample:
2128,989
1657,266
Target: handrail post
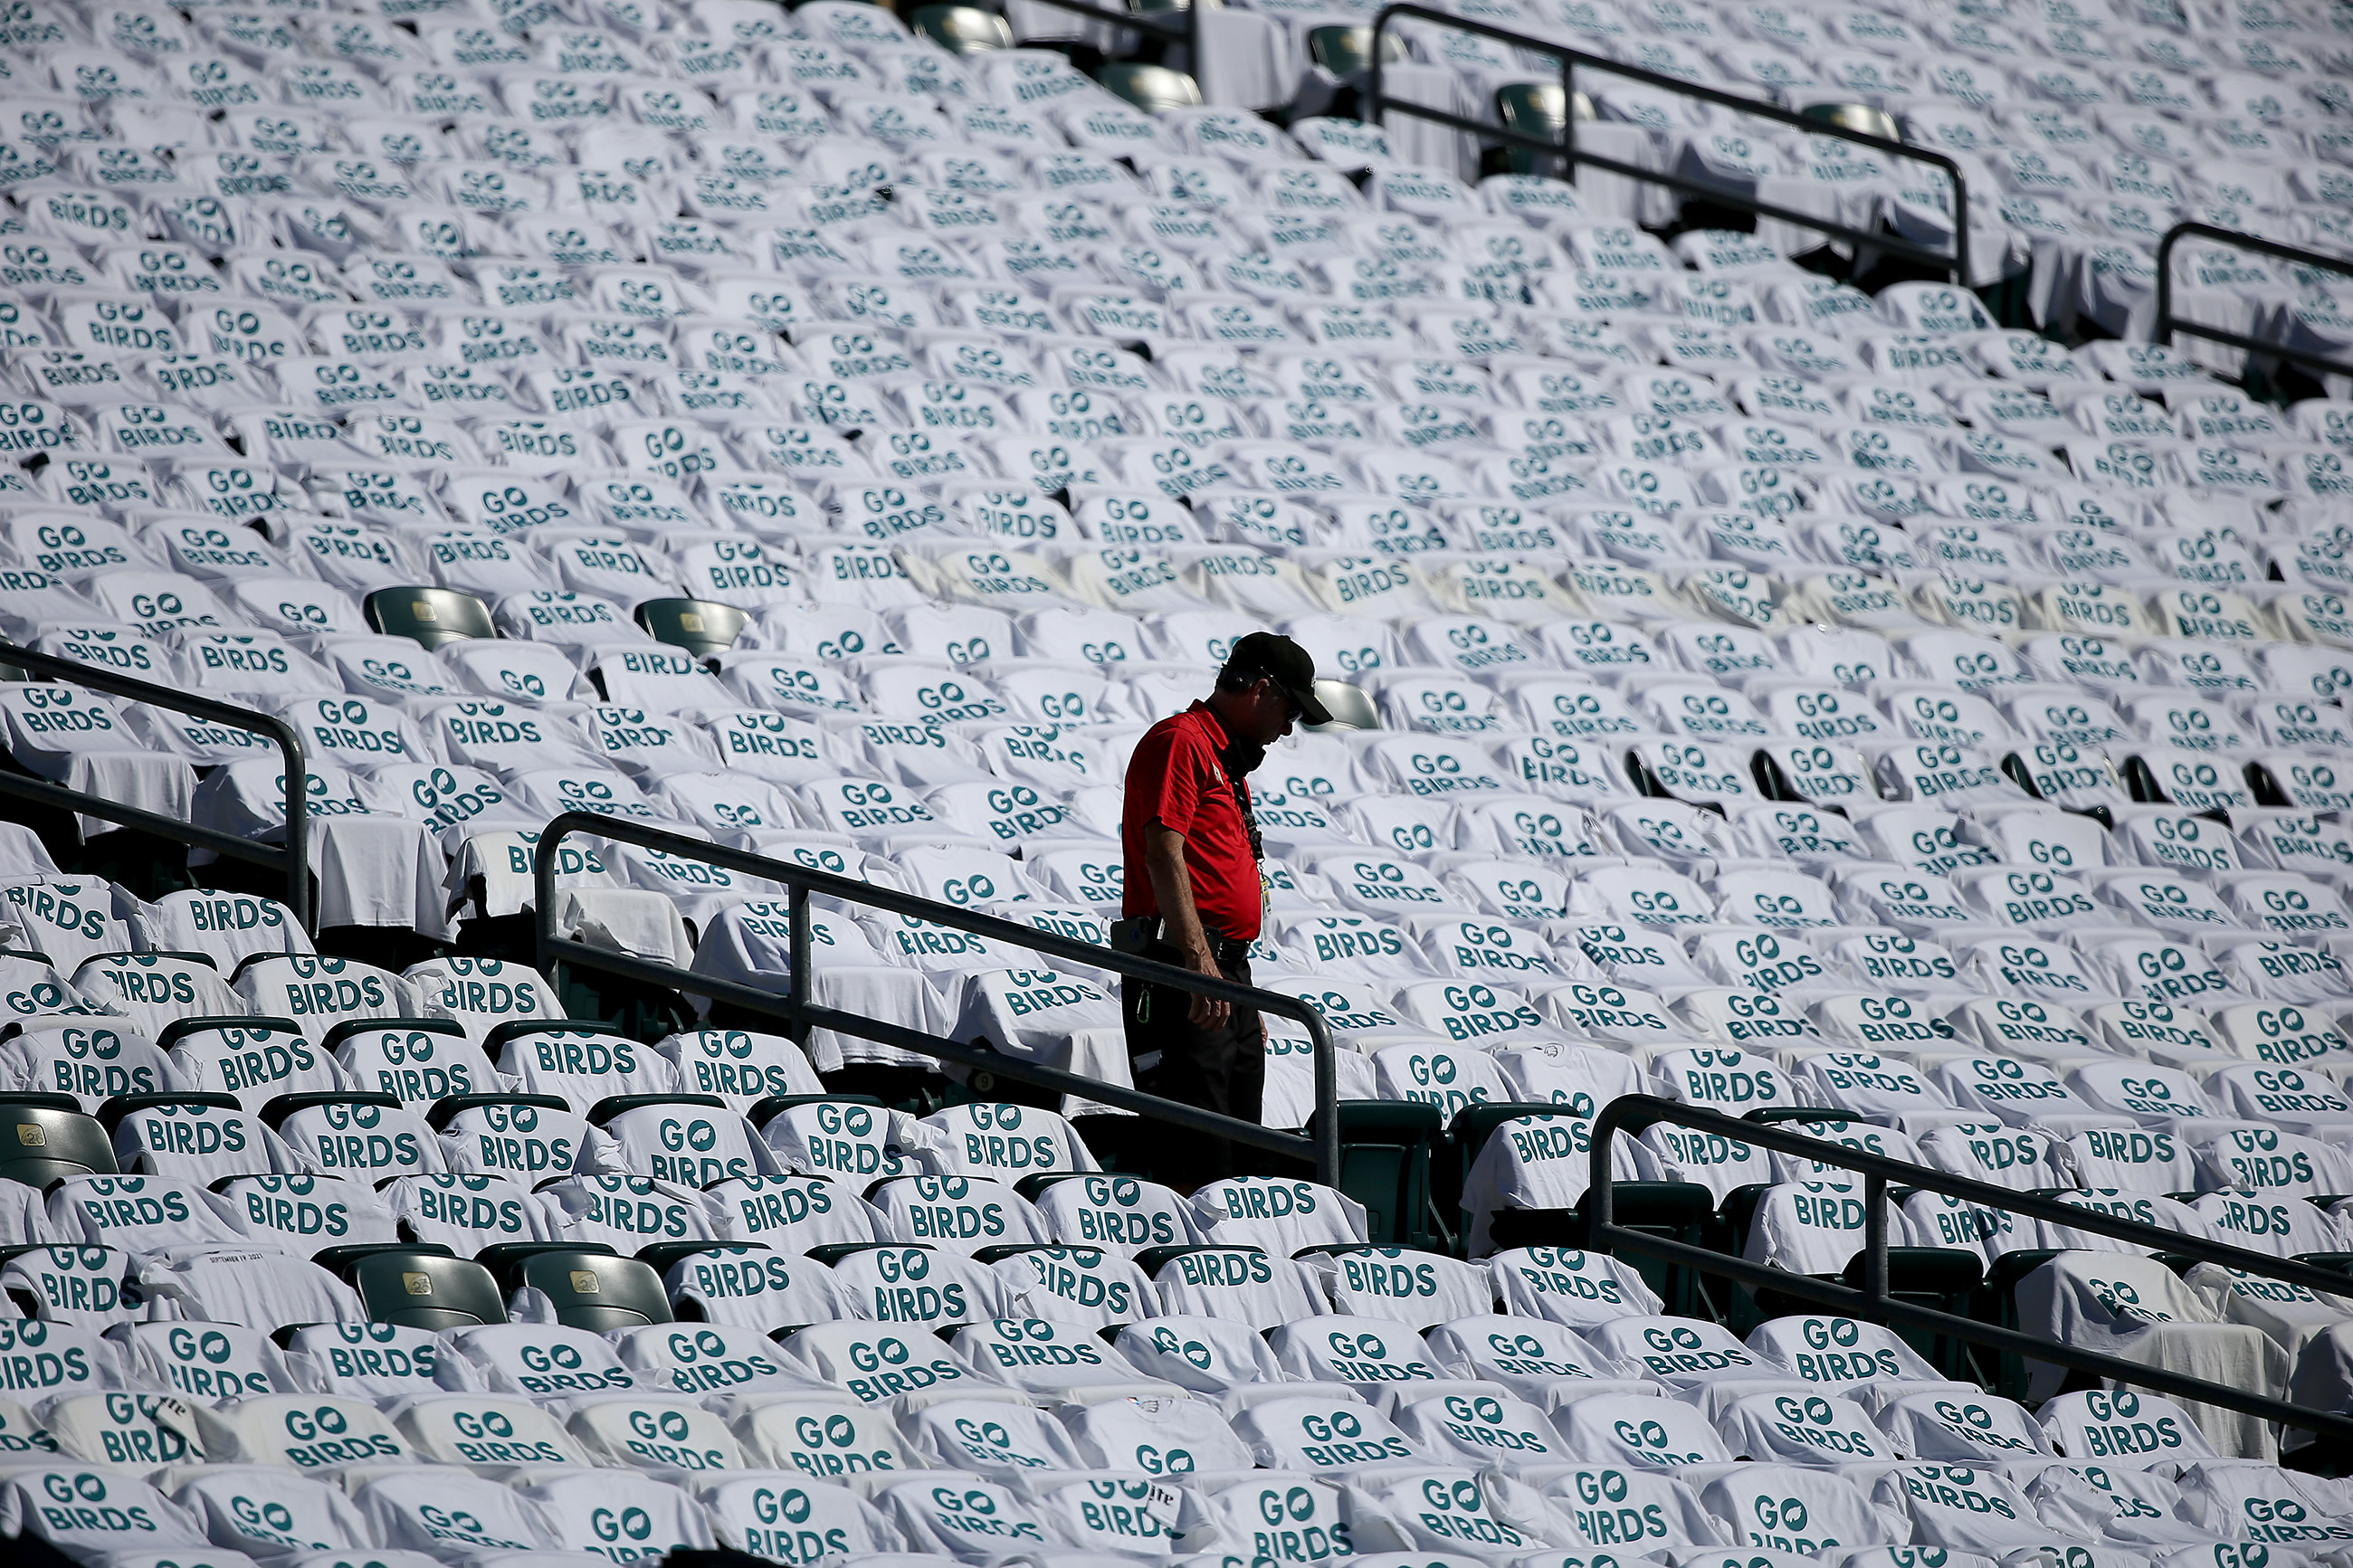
2162,330
1375,105
798,987
1960,226
543,895
298,842
1327,1103
1874,1237
1193,41
1569,120
1600,1192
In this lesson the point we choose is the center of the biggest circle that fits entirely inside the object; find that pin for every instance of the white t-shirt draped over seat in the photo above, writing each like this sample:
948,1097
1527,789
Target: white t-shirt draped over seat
82,740
1809,1227
69,919
90,1057
2140,1310
201,1142
89,1286
1546,1363
246,1285
374,868
1797,1435
1640,1433
1535,1162
154,990
1281,1216
1243,1285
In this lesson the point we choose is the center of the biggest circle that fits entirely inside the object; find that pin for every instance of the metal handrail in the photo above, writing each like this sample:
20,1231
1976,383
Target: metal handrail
1633,1112
293,859
1955,265
1322,1146
2167,324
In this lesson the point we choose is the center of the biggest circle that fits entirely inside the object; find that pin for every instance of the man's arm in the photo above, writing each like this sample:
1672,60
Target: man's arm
1172,891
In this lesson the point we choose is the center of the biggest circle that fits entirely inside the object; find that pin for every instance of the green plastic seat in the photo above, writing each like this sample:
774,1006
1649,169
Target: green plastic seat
662,1255
419,1288
503,1257
1004,1250
450,1107
832,1252
1468,1133
1351,707
350,1027
432,616
705,629
179,1029
1940,1276
1386,1148
2264,785
1037,1181
1674,1211
595,1290
1345,49
1152,89
1538,109
494,1044
1949,1280
963,29
1867,119
45,1138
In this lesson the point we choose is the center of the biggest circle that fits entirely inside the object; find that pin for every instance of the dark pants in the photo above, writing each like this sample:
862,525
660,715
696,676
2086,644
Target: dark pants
1221,1070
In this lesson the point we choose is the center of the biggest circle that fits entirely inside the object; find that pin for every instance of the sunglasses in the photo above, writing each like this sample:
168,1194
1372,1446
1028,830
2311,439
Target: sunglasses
1293,711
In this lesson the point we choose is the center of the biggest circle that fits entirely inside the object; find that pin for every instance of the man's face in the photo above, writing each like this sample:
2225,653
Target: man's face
1269,714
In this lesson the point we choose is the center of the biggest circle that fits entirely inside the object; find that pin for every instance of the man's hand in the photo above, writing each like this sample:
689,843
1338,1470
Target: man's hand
1172,889
1206,1011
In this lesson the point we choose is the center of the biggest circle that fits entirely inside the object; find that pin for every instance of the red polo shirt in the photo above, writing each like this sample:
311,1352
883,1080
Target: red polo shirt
1176,779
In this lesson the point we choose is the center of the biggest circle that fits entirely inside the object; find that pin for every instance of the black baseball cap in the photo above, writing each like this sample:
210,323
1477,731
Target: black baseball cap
1276,658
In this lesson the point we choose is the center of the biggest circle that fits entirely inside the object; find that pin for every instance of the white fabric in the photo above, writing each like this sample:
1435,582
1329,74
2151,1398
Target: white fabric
140,1214
373,1360
1572,1288
243,1285
1533,1162
468,1213
2140,1310
1281,1216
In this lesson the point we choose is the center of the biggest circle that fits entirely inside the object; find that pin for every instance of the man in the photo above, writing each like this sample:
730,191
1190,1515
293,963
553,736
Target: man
1193,897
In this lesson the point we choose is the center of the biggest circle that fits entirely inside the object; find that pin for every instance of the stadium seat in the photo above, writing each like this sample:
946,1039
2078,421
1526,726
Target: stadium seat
700,628
1386,1150
433,617
423,1288
961,29
52,1137
1153,88
586,1289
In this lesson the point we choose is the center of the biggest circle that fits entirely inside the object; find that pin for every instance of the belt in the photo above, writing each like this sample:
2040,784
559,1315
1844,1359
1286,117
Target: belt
1145,931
